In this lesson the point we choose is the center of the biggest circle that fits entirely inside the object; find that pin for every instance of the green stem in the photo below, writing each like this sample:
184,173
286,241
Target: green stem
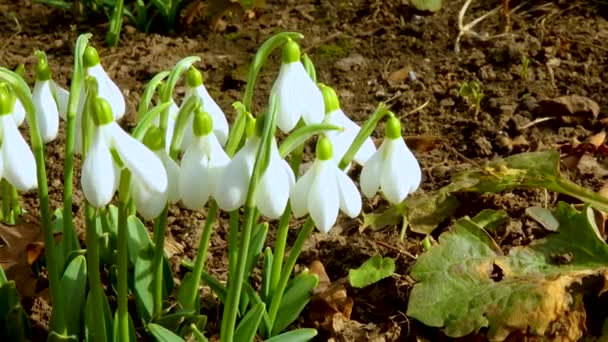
235,284
17,210
7,216
283,229
123,257
304,234
159,253
113,34
99,328
68,165
167,92
233,247
201,255
25,96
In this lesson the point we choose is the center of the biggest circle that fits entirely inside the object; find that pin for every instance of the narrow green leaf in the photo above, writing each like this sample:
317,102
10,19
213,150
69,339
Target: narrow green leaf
14,322
266,275
373,270
73,291
143,283
92,318
298,335
247,328
163,334
296,296
139,239
490,219
257,244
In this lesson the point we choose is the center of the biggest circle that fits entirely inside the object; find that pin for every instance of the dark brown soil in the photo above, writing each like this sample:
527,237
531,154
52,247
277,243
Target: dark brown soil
364,49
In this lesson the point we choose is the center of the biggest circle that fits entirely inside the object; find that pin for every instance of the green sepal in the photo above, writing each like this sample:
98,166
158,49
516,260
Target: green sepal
392,130
194,78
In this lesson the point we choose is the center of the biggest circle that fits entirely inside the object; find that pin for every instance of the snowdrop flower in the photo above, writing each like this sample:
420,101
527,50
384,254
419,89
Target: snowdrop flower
202,163
17,163
148,202
171,118
324,190
18,112
393,168
111,147
47,111
195,87
107,89
298,95
342,140
272,191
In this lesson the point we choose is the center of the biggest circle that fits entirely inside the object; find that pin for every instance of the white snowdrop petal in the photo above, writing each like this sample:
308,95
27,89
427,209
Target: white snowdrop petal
142,162
273,189
299,193
220,124
350,199
98,172
149,204
324,198
371,173
401,172
413,167
108,90
289,111
366,151
62,96
194,183
233,183
18,112
173,174
47,115
19,162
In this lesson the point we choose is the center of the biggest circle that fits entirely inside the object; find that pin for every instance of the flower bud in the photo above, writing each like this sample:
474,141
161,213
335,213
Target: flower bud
291,52
202,124
392,130
154,139
194,77
330,98
102,114
91,57
324,149
43,71
6,99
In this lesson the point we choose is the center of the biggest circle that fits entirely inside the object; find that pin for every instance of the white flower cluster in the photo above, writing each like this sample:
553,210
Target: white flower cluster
205,171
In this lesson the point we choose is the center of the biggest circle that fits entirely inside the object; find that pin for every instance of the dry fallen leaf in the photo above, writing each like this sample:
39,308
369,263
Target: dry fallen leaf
329,299
571,108
400,75
22,244
423,143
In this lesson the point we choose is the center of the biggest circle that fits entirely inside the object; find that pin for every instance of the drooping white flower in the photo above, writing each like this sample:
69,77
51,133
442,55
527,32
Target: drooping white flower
342,140
99,177
202,164
324,190
47,111
62,97
18,112
148,202
272,191
393,169
195,87
17,162
298,96
106,88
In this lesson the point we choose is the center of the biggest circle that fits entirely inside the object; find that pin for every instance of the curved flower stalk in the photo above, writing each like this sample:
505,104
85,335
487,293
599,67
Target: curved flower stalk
342,140
47,109
150,203
171,119
17,162
324,190
393,169
195,87
274,186
202,164
110,147
298,95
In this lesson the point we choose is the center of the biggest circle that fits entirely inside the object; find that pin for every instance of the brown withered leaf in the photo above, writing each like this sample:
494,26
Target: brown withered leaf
423,143
19,250
329,299
400,75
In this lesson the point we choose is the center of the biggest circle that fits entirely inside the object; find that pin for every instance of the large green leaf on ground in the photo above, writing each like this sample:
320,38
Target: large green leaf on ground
465,283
